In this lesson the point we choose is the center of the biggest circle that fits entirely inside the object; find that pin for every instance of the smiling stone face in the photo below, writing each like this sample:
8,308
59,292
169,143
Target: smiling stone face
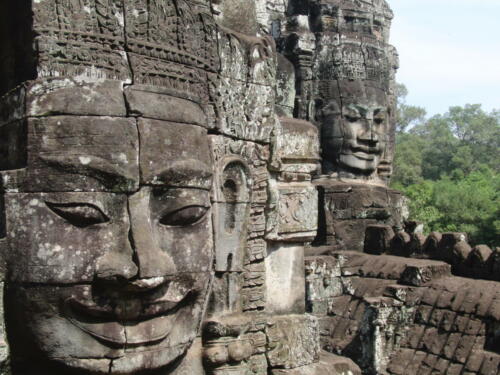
109,270
355,131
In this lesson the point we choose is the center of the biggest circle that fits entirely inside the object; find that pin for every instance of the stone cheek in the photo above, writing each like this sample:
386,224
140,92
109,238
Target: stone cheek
47,248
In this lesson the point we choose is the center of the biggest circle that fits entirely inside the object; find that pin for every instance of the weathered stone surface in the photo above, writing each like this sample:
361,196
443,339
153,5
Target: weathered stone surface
350,208
4,346
143,100
225,294
13,146
239,193
285,87
73,97
295,147
426,271
13,105
70,153
323,283
293,341
109,226
328,364
285,279
333,73
71,40
378,239
447,244
478,261
494,261
432,243
193,364
236,343
159,165
238,15
400,244
292,212
373,321
184,156
244,100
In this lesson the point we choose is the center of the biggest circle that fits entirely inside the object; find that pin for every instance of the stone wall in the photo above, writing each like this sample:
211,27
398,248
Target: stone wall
404,316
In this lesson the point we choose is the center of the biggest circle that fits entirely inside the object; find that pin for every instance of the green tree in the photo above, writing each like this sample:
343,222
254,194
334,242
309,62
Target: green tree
408,160
478,133
470,204
406,115
421,203
448,166
408,157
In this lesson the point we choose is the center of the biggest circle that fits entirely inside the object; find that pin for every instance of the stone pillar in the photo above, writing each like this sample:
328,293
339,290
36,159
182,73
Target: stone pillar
292,213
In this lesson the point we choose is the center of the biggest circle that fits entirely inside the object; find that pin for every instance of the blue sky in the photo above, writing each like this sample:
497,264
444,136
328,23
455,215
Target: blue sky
449,52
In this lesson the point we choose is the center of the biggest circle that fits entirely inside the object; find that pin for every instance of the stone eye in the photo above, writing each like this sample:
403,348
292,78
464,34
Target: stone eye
352,116
379,118
80,215
184,216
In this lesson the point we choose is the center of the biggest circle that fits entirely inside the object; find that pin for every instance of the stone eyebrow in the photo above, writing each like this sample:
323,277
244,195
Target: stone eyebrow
92,166
356,108
189,173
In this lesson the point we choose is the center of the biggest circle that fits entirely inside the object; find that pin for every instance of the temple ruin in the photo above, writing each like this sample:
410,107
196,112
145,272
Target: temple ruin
195,187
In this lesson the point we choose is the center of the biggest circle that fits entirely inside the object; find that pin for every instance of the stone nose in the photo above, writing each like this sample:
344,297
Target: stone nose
368,133
138,254
152,261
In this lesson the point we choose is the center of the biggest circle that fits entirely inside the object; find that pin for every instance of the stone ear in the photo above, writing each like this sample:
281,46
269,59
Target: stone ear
323,109
315,110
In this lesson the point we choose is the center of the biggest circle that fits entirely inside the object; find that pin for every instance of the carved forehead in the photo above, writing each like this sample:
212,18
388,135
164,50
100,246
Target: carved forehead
174,154
346,92
91,153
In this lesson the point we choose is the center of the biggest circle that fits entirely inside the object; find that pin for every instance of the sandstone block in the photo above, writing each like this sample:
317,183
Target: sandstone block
285,279
68,153
143,101
424,272
293,341
431,245
68,96
292,213
378,239
329,364
400,244
478,262
295,147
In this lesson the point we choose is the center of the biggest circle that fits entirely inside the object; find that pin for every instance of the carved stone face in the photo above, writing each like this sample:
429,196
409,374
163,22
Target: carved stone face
111,279
355,132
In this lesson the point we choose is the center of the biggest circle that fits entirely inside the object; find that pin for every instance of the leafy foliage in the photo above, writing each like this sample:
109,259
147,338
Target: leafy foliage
448,166
406,115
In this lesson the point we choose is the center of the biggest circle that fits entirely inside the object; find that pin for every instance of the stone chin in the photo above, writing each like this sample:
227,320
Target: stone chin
363,163
351,160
